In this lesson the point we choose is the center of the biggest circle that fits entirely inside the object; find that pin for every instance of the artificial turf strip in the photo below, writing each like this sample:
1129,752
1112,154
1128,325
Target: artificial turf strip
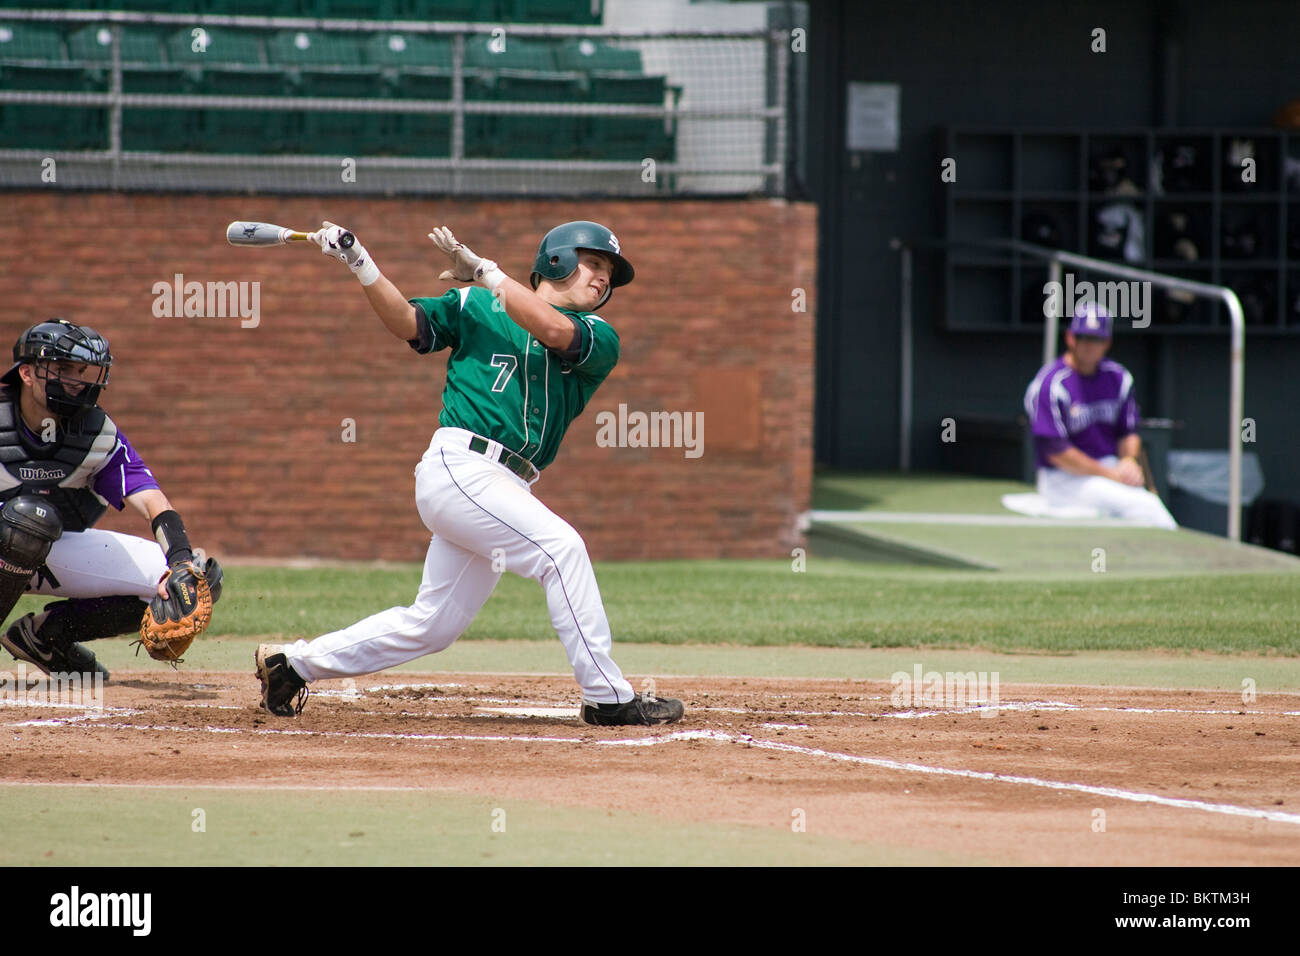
1080,552
831,603
933,493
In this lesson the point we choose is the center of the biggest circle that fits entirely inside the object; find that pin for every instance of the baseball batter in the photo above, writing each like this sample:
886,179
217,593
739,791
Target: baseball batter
1085,422
62,463
523,362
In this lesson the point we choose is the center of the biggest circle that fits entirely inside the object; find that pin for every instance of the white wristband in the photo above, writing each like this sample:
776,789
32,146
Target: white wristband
369,273
492,278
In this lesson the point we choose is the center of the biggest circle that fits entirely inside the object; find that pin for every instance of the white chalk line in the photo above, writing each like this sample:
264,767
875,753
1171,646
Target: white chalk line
1114,793
974,707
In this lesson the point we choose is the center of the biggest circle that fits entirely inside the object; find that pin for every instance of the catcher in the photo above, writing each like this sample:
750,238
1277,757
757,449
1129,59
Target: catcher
62,463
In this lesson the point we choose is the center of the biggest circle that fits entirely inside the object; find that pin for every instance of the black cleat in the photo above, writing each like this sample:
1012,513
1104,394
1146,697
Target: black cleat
642,709
79,658
23,640
283,692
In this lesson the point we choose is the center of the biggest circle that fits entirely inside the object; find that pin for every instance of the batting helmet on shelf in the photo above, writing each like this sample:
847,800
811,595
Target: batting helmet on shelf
58,340
557,255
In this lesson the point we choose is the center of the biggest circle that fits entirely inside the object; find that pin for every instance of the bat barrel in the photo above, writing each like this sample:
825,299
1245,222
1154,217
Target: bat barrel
240,233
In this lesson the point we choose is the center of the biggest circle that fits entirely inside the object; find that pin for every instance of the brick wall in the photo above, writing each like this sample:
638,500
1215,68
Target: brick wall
244,426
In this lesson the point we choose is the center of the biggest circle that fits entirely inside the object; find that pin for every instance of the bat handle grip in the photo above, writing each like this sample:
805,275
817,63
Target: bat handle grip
346,240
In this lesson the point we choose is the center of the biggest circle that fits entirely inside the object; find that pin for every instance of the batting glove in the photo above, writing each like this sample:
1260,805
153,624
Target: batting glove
466,266
330,239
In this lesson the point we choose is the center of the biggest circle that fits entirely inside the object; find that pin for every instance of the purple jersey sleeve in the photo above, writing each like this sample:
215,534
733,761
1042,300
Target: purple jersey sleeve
123,475
1044,401
1128,416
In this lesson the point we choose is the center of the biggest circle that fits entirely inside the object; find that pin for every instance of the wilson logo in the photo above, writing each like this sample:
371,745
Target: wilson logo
32,473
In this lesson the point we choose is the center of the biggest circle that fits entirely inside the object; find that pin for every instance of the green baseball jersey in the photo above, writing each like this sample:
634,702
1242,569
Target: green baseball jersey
502,383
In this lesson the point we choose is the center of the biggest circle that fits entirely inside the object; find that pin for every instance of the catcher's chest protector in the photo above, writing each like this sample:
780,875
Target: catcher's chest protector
59,471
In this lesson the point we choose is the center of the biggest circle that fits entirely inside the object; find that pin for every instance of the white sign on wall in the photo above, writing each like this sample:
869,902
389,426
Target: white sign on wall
872,117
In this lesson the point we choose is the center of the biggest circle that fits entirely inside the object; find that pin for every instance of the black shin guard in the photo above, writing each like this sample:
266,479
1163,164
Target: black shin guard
29,526
89,619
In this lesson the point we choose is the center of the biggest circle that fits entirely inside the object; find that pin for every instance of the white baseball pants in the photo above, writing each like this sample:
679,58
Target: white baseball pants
95,563
1112,498
484,519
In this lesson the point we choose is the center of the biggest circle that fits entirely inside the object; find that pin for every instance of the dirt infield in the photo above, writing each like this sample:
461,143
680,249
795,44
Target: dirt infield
1060,775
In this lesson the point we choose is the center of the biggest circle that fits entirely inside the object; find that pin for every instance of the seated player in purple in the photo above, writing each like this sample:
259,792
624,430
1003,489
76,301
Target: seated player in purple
62,463
1085,421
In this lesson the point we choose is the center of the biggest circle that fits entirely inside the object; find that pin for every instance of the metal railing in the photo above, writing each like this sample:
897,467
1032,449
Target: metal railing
1056,258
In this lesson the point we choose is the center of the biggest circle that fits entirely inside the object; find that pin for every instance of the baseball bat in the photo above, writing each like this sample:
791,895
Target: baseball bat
240,233
1147,478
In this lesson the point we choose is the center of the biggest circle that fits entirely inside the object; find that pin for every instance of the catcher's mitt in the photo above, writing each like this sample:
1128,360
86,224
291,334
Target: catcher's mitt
170,624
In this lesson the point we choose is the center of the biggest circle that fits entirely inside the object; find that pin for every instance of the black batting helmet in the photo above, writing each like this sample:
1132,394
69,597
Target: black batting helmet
58,340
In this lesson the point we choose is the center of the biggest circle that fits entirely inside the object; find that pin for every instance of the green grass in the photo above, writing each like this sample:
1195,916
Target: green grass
1173,669
831,604
391,828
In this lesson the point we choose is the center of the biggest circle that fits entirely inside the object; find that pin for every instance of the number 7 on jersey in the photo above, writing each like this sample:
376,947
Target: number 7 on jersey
507,364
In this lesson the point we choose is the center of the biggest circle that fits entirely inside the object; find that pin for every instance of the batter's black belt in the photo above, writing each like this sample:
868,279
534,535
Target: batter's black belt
520,465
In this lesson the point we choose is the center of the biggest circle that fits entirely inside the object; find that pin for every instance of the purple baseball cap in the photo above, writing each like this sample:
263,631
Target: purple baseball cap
1091,320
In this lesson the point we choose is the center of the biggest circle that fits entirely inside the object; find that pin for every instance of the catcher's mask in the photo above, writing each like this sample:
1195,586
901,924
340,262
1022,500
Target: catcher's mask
55,348
557,256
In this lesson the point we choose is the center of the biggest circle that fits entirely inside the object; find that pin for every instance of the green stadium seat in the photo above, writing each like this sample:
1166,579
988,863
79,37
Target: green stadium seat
41,126
246,130
222,80
353,9
421,85
553,11
215,45
32,58
147,6
94,43
484,52
342,134
328,64
523,136
364,83
152,6
63,77
154,129
622,88
304,47
258,8
584,54
52,77
628,138
455,11
25,41
349,134
421,134
407,50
